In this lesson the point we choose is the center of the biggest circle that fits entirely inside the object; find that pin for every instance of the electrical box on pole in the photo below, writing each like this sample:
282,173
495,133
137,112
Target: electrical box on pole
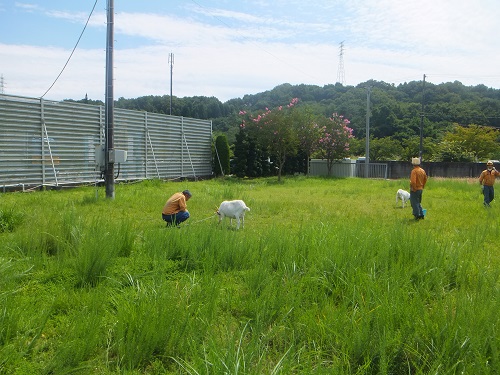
115,156
100,160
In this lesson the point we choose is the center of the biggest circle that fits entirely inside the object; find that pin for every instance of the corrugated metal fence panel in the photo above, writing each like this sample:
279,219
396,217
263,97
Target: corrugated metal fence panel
50,143
72,130
19,145
197,147
167,146
129,135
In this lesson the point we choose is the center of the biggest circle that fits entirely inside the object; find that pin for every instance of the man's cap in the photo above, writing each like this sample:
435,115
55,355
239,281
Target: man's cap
415,161
187,192
489,162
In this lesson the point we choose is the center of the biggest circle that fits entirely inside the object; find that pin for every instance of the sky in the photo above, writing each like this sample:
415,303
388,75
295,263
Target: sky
231,48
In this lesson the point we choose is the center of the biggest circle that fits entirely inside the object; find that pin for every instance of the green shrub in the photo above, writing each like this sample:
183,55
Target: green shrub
221,156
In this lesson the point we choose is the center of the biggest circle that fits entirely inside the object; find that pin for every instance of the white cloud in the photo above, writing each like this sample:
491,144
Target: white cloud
27,7
30,71
231,52
427,25
79,17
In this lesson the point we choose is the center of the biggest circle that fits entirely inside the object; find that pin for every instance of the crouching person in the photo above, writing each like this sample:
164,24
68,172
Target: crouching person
175,210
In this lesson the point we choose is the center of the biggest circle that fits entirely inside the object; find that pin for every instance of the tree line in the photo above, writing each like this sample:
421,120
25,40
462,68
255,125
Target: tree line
459,123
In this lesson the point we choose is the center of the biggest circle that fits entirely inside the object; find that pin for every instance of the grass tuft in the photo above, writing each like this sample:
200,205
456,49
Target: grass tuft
10,219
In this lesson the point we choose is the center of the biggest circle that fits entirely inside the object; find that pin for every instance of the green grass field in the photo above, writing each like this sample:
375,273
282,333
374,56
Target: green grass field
327,277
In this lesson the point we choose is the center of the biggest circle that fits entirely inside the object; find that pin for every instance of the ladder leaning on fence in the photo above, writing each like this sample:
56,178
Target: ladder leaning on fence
153,152
50,151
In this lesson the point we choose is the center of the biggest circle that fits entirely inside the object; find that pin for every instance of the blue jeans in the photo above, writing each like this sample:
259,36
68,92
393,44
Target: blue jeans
416,200
177,218
489,194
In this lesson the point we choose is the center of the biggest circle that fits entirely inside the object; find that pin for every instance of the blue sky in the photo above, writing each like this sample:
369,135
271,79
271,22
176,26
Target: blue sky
229,48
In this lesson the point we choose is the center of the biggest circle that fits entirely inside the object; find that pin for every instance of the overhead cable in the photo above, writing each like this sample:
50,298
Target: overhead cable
74,48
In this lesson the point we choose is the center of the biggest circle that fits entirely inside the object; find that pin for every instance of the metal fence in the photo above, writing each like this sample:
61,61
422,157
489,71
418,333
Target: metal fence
52,143
348,168
374,170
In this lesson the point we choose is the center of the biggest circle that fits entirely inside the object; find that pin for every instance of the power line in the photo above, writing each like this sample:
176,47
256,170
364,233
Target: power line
74,48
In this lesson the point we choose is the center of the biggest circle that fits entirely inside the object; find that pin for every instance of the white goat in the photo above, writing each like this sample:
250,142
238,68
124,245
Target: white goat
402,195
233,210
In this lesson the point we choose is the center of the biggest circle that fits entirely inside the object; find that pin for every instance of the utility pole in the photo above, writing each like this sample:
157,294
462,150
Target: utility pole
109,173
171,62
1,84
341,73
422,115
367,145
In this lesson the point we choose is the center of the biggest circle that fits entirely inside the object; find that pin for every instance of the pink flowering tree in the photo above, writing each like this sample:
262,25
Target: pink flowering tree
275,131
333,144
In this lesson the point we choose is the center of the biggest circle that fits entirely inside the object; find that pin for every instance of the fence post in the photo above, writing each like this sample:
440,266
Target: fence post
42,148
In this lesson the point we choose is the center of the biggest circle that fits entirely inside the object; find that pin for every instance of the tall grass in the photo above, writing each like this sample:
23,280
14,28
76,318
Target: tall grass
9,219
319,281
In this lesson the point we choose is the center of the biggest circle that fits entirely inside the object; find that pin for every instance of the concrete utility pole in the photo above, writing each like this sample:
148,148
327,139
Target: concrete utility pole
422,115
109,173
367,147
171,62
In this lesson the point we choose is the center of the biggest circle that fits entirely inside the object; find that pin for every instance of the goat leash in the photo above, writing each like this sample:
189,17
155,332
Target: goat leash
199,221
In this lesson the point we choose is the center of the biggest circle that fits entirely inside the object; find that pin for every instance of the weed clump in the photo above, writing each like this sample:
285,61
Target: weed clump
9,220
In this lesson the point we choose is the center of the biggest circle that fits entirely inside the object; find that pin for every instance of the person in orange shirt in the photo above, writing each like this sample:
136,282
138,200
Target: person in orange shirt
175,210
487,180
418,179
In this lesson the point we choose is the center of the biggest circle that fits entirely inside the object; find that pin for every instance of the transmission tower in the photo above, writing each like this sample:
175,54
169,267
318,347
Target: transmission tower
341,72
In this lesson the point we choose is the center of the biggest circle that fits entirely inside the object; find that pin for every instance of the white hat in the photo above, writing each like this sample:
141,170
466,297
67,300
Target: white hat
415,161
